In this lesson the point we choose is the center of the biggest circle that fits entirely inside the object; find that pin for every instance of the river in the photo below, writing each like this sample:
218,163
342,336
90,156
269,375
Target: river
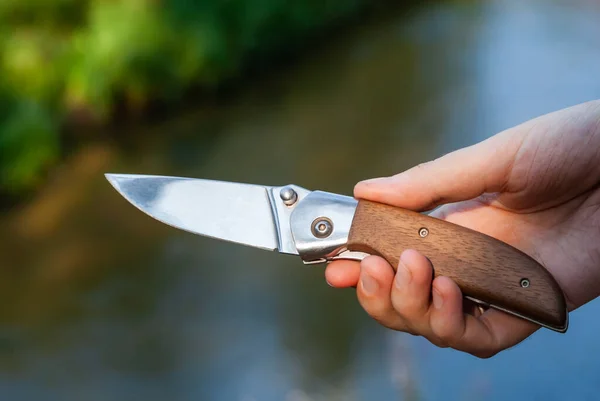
100,302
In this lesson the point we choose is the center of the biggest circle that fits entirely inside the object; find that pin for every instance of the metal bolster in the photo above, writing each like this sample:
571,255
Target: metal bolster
320,224
284,200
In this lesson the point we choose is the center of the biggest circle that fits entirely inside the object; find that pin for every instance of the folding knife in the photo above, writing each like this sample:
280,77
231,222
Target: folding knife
321,227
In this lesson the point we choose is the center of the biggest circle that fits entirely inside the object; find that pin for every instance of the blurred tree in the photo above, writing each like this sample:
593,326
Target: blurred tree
61,56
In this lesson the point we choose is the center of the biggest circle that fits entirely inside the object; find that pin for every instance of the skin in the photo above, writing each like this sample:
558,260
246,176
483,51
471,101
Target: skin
535,186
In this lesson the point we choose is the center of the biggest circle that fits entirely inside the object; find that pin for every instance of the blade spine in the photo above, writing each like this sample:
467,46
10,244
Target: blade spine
129,176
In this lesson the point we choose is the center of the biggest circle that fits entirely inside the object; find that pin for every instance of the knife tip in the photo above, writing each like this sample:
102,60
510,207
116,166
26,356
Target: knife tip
115,179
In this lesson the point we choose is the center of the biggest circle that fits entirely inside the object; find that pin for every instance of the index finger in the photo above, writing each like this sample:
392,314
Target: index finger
342,273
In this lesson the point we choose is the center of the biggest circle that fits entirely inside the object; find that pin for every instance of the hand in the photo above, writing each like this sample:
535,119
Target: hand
535,186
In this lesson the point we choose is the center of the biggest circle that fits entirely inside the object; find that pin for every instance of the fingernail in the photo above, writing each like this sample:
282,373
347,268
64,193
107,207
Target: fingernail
403,275
369,284
438,301
328,283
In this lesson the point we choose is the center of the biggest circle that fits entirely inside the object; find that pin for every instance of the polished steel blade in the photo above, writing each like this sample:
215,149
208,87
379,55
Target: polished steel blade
233,212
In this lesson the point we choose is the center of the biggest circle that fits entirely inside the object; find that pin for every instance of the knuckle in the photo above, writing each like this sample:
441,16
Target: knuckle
401,326
484,354
438,342
448,337
392,321
377,308
450,334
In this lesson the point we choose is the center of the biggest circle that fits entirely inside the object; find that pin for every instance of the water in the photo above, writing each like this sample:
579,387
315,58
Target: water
99,302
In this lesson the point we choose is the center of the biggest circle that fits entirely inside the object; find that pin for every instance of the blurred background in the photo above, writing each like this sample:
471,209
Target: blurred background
100,302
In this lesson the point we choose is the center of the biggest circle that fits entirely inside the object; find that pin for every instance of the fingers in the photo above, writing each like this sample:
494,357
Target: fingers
481,336
373,292
460,175
447,320
411,292
409,300
342,273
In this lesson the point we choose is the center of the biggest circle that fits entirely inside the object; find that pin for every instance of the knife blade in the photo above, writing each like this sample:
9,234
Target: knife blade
321,227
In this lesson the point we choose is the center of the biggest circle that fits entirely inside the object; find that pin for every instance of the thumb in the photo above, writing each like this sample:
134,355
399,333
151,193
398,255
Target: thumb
461,175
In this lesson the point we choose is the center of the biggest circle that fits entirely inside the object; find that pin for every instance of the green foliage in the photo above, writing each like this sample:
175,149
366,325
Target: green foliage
62,55
28,142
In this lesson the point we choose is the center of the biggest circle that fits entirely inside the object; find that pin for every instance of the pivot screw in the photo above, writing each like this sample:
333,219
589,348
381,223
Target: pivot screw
423,232
322,227
288,195
525,283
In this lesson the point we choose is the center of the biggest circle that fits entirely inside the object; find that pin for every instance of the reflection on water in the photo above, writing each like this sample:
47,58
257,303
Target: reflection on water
99,302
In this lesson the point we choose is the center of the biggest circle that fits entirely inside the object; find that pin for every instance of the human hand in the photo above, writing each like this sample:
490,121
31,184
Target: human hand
535,186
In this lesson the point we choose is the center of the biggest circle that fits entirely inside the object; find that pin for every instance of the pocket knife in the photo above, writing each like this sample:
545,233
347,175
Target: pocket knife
321,227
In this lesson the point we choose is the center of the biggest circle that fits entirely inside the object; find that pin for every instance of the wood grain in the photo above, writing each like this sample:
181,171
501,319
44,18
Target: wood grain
484,268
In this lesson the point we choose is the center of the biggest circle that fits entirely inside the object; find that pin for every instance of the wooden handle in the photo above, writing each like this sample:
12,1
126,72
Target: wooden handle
486,269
